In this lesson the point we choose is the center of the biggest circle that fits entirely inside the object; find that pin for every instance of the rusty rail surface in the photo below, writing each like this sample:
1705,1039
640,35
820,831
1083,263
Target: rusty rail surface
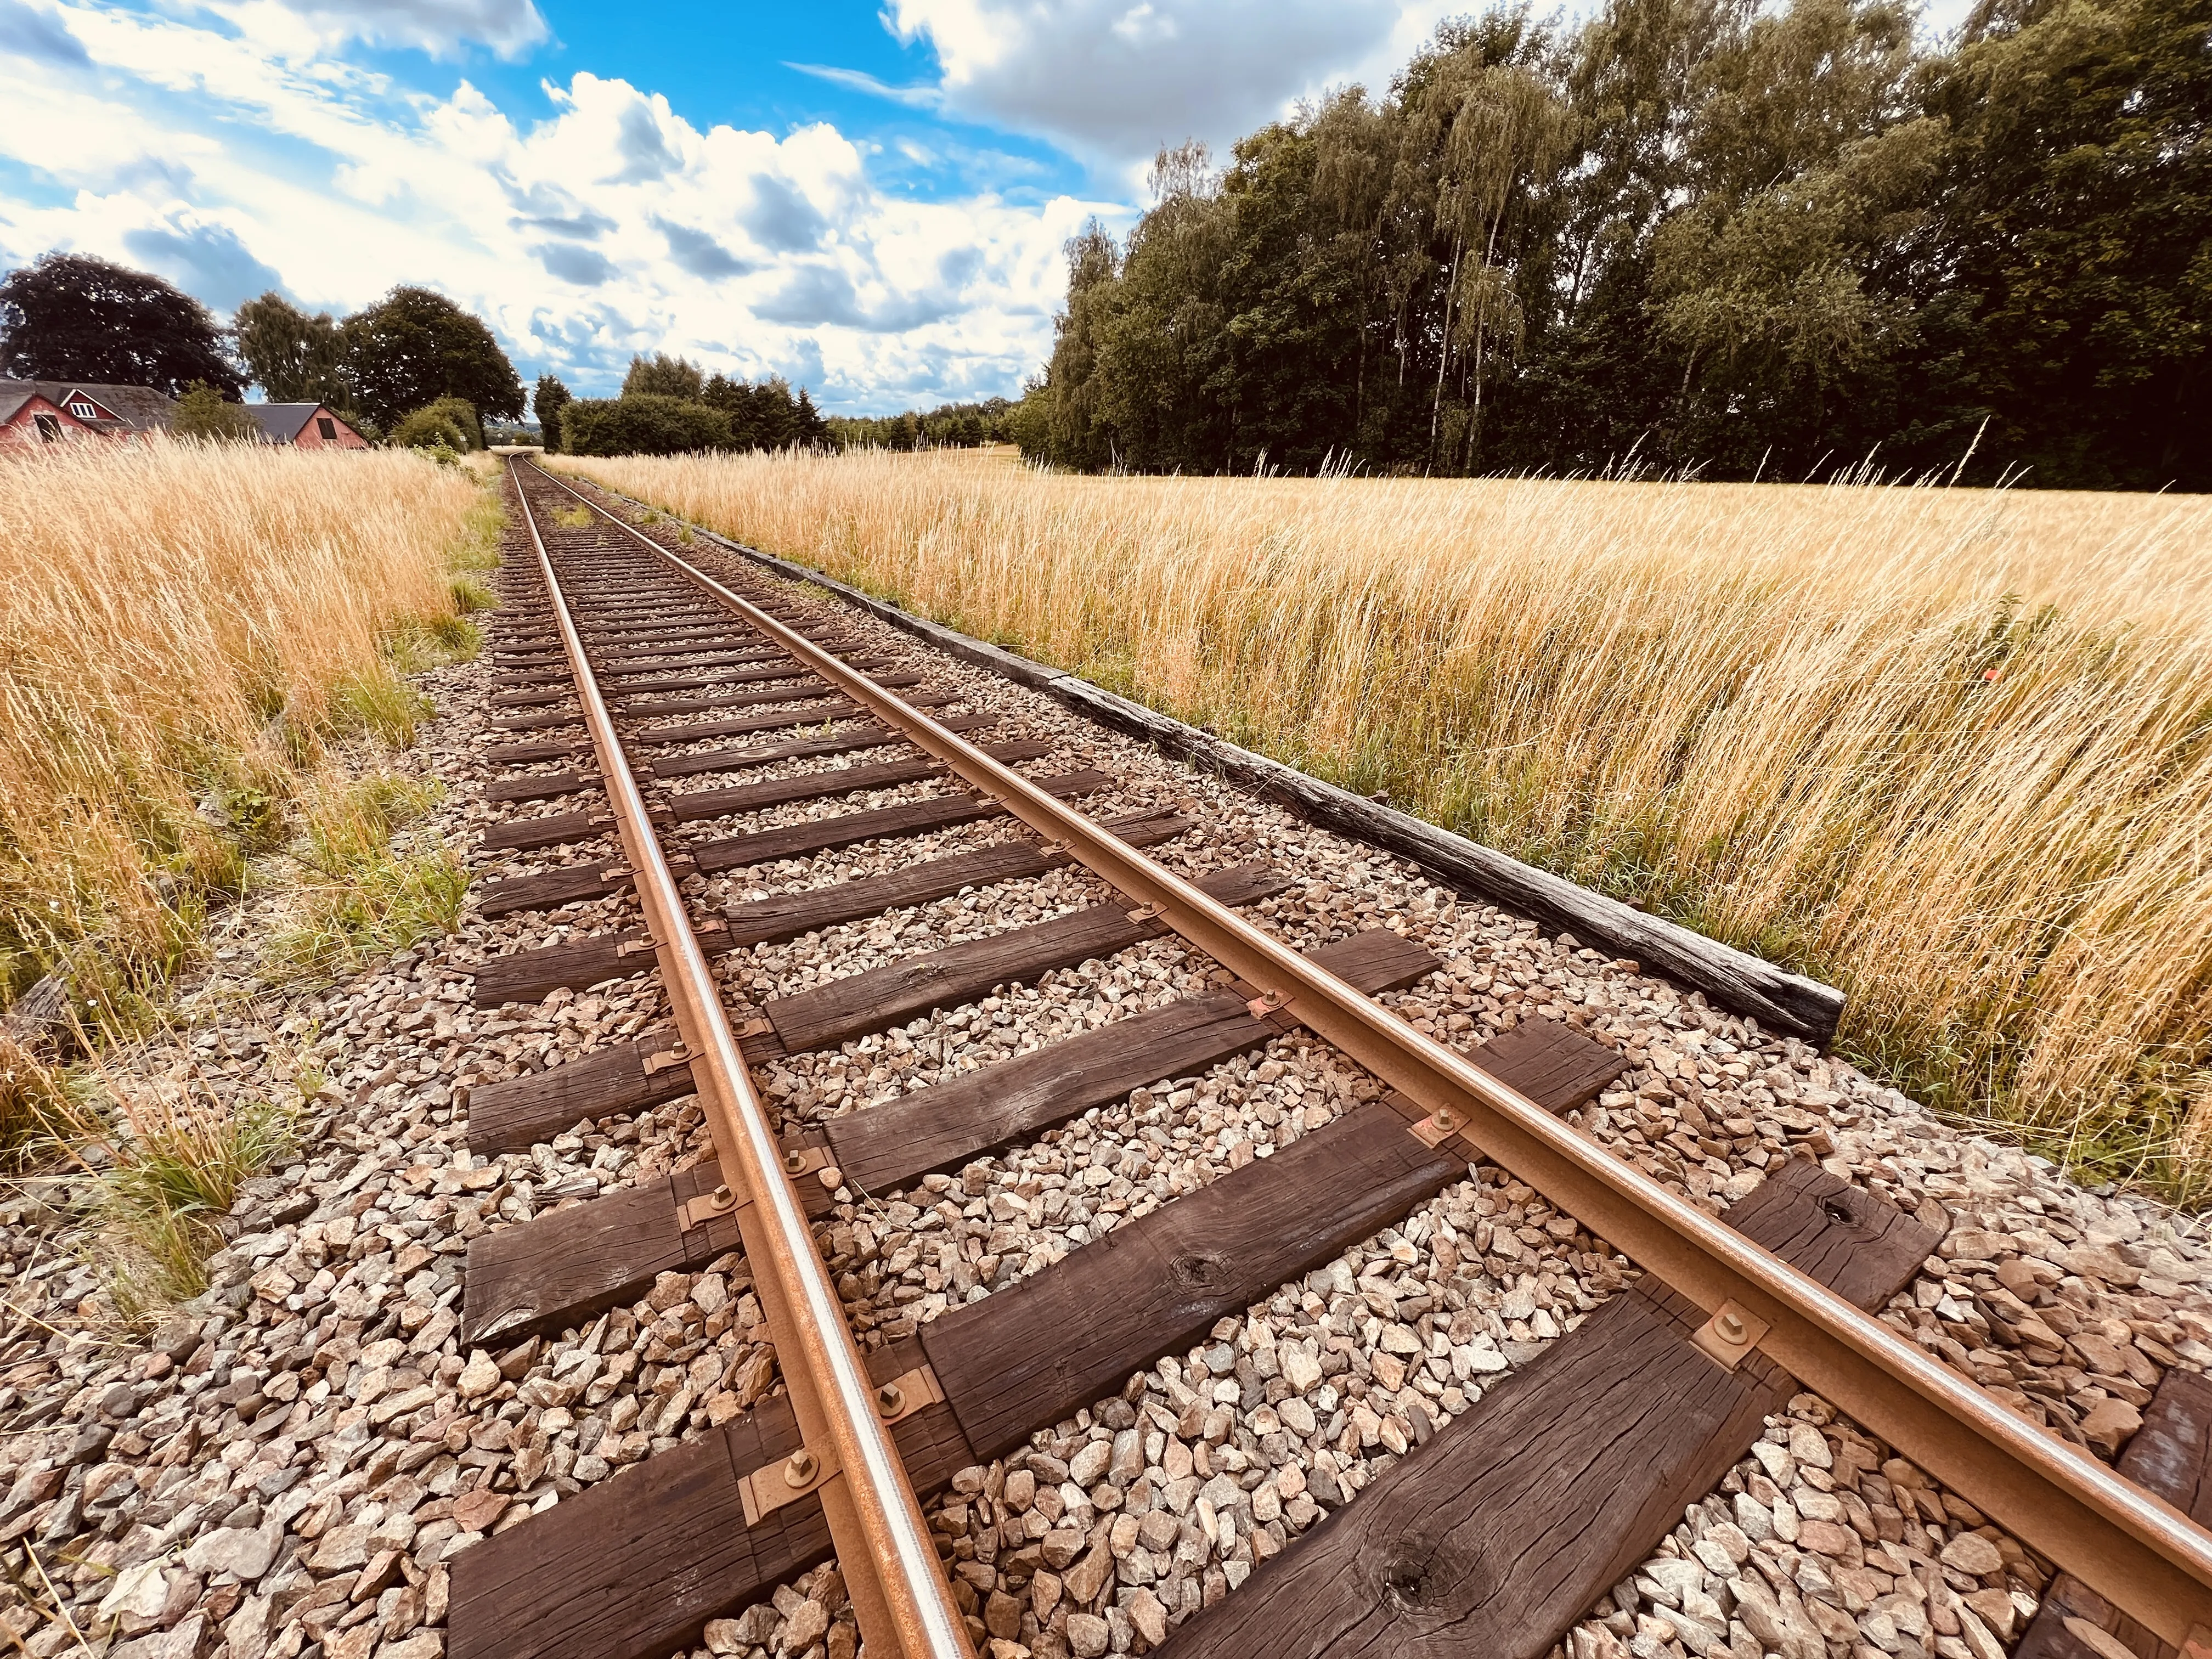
2136,1551
899,1590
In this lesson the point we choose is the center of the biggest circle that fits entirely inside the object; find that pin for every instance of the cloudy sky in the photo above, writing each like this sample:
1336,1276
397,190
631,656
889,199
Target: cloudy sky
871,201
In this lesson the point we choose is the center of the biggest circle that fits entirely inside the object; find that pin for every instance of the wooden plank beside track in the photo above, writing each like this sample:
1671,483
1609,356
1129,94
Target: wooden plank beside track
1501,1530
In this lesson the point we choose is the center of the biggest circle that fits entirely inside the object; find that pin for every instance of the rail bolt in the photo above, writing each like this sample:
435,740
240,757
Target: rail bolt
794,1162
889,1398
1730,1330
798,1469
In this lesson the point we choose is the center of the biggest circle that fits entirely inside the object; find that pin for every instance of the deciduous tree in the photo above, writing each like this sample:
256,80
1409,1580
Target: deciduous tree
293,357
414,346
72,316
664,376
550,398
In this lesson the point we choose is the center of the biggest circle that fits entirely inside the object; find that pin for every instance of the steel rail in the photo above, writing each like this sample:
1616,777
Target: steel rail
2139,1553
899,1590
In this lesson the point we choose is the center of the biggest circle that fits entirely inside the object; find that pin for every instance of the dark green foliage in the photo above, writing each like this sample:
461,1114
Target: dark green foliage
949,426
429,428
646,423
413,347
664,376
448,423
766,415
716,413
293,357
550,398
1692,233
71,317
204,412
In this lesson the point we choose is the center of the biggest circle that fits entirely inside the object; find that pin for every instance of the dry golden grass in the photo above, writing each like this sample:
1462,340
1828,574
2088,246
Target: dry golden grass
1949,750
184,631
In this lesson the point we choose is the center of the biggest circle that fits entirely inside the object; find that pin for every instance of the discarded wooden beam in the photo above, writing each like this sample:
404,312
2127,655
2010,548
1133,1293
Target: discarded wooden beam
1735,979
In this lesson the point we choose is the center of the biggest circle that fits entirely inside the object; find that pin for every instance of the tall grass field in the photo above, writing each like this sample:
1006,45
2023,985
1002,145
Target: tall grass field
185,632
1949,750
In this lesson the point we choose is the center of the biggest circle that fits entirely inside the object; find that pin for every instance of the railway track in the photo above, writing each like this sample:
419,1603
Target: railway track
656,702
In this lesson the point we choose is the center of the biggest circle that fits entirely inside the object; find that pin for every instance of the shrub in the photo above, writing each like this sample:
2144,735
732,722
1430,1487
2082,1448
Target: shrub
645,423
202,412
429,428
462,413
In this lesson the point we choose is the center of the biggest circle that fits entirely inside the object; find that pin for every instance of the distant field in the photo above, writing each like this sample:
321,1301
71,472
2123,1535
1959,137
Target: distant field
183,629
1949,750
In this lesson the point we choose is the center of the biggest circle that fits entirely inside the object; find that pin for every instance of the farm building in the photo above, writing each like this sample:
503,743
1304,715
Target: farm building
304,426
45,411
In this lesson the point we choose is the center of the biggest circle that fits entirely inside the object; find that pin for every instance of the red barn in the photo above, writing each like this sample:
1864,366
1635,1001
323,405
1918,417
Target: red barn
304,426
46,411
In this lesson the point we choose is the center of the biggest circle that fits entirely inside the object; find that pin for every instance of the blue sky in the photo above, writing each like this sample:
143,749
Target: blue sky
871,200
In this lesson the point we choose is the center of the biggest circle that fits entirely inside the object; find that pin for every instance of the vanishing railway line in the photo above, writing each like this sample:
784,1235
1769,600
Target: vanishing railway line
1510,1521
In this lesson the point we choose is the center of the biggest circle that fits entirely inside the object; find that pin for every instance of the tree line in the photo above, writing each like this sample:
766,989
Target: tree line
1755,241
949,426
671,405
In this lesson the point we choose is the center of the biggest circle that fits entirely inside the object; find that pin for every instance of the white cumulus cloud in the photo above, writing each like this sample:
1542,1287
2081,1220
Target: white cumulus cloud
232,162
1113,80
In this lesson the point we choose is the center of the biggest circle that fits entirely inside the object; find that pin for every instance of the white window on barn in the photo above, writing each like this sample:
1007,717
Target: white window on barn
328,427
84,411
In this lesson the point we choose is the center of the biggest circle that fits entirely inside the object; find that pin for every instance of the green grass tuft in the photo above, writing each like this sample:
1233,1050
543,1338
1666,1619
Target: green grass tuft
363,893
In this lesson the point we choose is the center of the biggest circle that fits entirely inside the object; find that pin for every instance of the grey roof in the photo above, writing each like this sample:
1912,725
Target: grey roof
282,422
136,408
